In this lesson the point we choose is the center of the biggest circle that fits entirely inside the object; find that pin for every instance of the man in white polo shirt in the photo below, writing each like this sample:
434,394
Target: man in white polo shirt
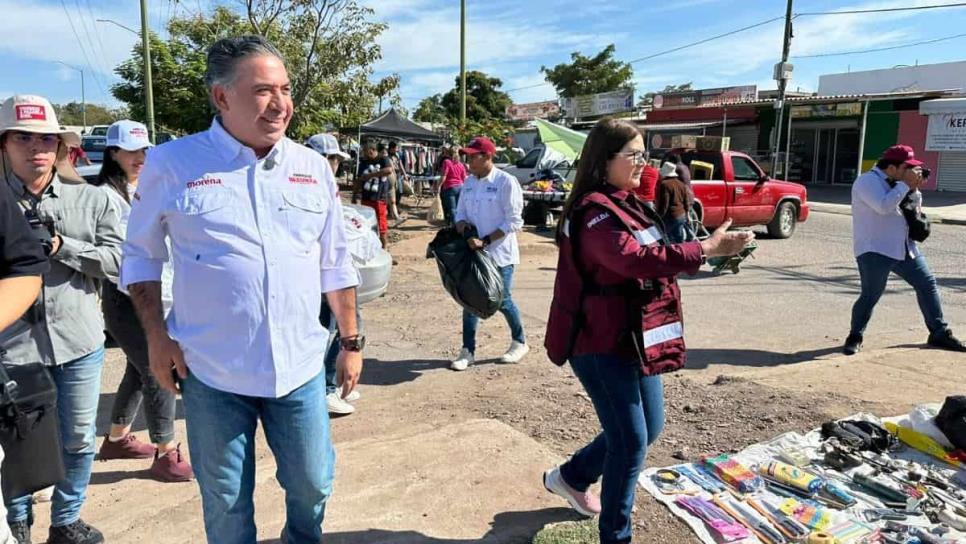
255,226
491,201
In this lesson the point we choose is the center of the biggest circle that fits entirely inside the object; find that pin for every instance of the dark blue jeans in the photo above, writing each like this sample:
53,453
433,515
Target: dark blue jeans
450,198
630,407
678,230
874,269
508,309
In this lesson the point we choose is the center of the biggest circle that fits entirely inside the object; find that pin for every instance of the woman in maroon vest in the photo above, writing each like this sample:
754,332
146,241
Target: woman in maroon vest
616,317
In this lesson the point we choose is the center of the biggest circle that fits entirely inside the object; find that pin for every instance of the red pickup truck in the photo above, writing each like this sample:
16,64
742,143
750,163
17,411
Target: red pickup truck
740,189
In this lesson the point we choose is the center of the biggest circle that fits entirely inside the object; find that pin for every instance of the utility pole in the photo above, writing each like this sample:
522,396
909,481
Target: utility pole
783,72
146,53
462,64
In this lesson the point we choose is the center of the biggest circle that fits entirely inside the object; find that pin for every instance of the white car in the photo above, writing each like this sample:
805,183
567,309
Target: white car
372,261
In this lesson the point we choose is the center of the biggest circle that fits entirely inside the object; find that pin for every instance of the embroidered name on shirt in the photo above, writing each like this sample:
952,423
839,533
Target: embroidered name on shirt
597,220
303,179
203,182
492,189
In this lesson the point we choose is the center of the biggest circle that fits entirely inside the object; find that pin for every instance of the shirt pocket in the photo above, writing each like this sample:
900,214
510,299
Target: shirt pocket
203,219
304,216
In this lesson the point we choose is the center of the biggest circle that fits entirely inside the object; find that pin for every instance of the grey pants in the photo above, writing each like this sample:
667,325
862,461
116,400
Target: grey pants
138,383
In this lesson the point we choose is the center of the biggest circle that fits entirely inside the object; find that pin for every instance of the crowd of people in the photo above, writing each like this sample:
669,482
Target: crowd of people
268,328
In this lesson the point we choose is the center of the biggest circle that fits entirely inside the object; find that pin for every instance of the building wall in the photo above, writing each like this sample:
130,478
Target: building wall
912,132
927,77
700,114
881,131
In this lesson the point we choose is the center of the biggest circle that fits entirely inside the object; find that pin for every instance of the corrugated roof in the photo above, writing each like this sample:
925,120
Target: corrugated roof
832,98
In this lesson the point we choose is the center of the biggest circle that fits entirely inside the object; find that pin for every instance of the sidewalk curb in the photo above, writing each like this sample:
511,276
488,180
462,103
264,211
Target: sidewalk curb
843,209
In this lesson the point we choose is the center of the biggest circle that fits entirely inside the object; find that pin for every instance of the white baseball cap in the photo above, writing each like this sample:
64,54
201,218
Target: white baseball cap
128,135
326,144
669,170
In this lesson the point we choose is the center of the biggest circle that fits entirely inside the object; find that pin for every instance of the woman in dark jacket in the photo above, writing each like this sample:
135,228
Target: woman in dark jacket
616,317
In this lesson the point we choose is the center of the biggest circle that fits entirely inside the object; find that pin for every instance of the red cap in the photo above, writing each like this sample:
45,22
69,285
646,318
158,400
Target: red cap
902,153
480,144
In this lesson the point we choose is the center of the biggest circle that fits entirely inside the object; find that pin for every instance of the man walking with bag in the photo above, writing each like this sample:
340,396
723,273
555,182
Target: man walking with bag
491,201
65,329
882,245
257,238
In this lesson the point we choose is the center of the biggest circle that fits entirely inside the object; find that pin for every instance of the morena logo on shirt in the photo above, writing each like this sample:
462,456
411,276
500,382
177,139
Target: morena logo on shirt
31,112
303,179
203,182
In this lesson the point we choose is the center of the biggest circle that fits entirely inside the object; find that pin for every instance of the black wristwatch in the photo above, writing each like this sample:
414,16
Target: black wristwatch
353,343
487,241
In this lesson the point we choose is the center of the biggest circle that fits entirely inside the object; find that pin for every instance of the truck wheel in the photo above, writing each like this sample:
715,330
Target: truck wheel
784,222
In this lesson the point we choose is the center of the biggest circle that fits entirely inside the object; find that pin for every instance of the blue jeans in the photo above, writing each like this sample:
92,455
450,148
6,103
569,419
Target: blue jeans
450,198
678,230
78,388
630,407
221,436
874,269
507,308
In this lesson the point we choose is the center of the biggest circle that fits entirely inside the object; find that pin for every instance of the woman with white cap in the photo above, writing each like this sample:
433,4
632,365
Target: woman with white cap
124,156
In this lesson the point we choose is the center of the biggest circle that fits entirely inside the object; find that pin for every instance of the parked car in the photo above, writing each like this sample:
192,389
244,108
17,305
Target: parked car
737,187
373,263
94,142
537,159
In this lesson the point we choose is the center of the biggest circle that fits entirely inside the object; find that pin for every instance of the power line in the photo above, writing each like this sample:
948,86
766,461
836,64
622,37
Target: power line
882,10
914,44
706,40
81,45
100,43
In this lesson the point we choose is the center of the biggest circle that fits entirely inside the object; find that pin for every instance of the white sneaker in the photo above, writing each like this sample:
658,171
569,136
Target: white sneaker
516,353
338,405
353,396
43,495
464,360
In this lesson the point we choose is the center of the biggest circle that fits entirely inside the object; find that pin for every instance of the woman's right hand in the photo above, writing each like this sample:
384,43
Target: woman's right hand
725,244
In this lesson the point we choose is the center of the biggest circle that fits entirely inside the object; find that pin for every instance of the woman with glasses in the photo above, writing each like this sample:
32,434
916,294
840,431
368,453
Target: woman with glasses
616,317
124,157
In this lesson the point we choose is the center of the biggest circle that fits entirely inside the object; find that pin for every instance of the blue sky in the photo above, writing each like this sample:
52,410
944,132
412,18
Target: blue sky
512,39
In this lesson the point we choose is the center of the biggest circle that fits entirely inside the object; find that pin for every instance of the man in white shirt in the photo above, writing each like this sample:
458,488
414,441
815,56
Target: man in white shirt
255,226
882,245
491,201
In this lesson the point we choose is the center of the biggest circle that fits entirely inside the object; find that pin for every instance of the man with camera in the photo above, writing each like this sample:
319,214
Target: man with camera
882,244
79,230
22,262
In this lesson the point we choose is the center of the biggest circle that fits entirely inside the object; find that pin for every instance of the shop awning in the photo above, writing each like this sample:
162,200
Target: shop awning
942,105
680,126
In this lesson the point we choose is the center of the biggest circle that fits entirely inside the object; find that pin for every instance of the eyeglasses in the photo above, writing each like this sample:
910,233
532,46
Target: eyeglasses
636,157
24,138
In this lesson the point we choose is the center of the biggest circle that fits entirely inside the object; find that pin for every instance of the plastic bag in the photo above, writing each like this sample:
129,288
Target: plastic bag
470,277
435,213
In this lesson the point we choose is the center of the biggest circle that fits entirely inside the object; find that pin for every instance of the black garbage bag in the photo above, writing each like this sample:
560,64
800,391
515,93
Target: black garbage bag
951,420
470,277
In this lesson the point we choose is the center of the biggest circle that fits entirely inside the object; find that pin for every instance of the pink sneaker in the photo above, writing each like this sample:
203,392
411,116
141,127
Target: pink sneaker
585,503
171,466
128,447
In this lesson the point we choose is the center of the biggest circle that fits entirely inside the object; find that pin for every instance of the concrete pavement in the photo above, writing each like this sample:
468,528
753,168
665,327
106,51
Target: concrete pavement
945,207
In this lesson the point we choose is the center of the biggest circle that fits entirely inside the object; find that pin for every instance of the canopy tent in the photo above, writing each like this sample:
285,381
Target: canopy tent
393,125
567,141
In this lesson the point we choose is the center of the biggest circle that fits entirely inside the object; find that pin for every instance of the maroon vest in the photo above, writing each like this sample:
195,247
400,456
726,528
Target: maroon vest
639,319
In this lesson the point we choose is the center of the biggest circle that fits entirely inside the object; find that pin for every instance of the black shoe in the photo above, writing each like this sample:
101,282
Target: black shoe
852,344
75,533
21,531
946,340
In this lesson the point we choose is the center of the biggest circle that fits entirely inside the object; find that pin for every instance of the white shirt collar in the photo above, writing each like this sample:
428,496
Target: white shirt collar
229,147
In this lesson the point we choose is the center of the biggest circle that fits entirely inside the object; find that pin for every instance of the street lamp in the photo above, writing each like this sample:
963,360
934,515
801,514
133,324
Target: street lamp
83,98
146,54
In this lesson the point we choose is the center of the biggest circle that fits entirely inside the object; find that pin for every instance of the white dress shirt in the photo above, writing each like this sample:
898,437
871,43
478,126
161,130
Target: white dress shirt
255,243
494,203
878,225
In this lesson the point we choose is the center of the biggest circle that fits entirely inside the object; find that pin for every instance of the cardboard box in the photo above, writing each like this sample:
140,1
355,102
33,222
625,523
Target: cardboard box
713,143
686,141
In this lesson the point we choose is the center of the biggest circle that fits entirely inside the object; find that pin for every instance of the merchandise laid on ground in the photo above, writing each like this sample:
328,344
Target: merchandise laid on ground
860,480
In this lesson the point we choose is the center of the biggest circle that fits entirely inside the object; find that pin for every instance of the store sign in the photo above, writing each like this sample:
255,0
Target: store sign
812,111
533,110
598,104
946,132
707,97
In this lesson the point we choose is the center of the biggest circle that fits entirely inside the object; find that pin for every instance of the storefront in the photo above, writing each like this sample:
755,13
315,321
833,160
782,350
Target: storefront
824,142
946,135
738,122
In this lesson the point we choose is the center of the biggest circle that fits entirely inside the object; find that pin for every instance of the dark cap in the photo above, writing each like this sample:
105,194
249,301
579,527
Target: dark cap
901,154
480,144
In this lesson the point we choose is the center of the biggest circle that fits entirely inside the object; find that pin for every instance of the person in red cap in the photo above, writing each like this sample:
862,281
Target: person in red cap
647,190
881,242
491,202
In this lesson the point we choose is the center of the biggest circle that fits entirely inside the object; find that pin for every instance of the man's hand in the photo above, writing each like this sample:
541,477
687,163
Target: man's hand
461,226
57,244
166,358
725,244
912,178
475,244
348,369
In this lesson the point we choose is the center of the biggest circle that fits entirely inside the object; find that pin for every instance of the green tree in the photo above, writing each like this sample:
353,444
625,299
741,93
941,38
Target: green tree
484,99
648,98
431,110
329,47
589,75
72,113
